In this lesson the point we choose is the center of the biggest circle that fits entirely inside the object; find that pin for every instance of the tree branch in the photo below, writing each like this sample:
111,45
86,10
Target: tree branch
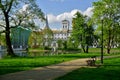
2,31
2,25
21,19
12,19
13,27
1,6
10,6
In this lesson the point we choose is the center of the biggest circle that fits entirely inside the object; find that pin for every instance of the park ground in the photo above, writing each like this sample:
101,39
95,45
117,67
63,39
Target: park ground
109,71
10,65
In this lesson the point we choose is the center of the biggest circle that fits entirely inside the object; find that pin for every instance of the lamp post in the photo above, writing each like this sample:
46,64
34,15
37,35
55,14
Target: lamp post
102,42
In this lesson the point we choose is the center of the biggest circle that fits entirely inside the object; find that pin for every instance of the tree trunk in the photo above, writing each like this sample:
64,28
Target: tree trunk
7,36
83,47
108,51
87,49
108,48
108,45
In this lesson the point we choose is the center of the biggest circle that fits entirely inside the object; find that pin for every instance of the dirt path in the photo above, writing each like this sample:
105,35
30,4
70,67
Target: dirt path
47,72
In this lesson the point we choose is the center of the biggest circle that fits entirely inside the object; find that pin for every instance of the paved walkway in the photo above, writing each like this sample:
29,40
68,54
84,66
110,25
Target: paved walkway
47,72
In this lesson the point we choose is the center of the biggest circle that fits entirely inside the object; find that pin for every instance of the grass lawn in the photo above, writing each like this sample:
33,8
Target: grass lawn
98,50
9,65
109,71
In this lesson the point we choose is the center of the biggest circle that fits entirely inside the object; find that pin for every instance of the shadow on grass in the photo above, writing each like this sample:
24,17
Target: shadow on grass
6,70
93,74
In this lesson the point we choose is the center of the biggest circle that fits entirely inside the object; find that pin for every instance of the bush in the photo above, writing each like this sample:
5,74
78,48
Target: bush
47,48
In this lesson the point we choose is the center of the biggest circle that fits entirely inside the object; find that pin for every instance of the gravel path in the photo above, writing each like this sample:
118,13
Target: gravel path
47,72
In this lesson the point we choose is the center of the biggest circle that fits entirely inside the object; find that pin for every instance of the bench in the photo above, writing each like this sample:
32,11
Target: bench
91,61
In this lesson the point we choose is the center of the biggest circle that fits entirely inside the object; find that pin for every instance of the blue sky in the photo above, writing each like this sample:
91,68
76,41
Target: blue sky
57,10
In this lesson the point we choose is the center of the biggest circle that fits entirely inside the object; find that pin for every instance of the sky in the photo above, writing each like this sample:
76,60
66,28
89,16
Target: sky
58,10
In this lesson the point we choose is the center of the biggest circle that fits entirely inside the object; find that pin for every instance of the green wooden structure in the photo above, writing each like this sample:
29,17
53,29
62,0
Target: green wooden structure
20,37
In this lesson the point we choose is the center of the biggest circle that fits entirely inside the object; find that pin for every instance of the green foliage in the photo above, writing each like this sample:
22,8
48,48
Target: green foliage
71,43
108,12
60,43
65,45
35,39
47,36
12,16
2,39
82,31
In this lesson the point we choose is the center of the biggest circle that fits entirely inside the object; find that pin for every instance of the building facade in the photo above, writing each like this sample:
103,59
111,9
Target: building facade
64,33
51,37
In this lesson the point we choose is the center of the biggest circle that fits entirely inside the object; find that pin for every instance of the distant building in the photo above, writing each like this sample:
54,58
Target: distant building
52,36
47,35
64,33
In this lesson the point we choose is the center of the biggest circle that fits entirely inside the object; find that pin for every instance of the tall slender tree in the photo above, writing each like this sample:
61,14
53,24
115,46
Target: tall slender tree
109,11
82,31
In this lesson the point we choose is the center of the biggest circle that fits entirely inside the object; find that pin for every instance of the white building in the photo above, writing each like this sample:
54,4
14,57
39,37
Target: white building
55,35
63,34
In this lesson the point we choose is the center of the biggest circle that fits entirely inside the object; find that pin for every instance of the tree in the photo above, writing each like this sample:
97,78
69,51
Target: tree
2,39
60,45
26,15
8,9
36,39
109,11
82,31
88,33
65,45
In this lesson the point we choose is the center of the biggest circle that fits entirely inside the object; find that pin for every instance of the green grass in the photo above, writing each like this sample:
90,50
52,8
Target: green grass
109,71
9,65
98,50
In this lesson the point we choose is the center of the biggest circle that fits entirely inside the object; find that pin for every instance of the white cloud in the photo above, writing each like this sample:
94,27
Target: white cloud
55,20
88,12
74,11
66,15
24,8
51,18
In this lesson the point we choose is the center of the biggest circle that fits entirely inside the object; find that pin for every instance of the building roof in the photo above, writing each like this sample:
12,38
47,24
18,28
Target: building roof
47,29
65,20
60,31
46,25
